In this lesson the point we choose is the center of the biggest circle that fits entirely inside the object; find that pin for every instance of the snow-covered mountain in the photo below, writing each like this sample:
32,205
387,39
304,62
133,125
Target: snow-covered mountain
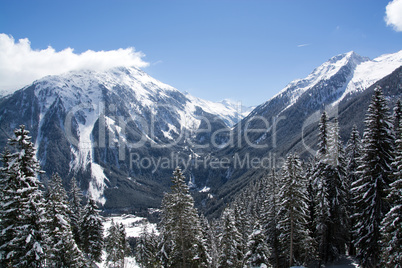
341,76
122,132
334,82
232,111
288,122
88,124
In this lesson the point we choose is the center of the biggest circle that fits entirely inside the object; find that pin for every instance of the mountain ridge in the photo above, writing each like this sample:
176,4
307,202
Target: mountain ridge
102,127
280,126
85,111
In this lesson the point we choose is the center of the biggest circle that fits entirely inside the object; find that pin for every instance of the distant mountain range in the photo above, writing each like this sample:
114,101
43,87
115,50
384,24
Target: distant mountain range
122,132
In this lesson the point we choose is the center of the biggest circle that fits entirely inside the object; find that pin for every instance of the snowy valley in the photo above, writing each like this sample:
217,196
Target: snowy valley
297,180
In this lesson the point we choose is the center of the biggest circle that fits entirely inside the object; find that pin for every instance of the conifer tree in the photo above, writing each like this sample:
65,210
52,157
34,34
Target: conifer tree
146,249
292,222
371,188
92,232
319,177
353,155
209,242
331,197
311,197
22,209
180,227
397,119
124,249
63,250
113,246
323,137
76,208
270,217
230,242
339,221
391,230
165,246
244,213
258,252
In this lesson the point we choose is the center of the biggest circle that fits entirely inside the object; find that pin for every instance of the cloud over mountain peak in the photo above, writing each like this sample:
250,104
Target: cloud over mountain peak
21,65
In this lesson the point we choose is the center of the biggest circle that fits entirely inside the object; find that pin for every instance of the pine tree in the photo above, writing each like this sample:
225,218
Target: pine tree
92,232
76,210
244,212
323,137
258,252
320,185
311,197
63,250
113,246
230,242
371,188
22,209
180,227
116,245
329,173
270,217
391,230
146,249
209,242
292,216
397,119
337,193
165,246
124,249
353,155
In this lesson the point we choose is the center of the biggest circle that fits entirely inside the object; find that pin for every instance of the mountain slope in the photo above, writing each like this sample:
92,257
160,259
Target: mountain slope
289,121
121,132
338,79
97,125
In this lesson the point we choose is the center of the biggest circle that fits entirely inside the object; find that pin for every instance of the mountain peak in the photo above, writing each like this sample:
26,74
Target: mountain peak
342,65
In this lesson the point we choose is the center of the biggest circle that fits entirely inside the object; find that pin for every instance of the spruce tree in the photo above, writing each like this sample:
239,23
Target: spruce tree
180,227
320,185
124,249
244,213
76,208
63,250
92,232
146,249
258,252
323,137
230,242
209,241
339,221
113,246
292,216
22,209
353,155
371,188
311,197
391,230
328,174
397,119
270,217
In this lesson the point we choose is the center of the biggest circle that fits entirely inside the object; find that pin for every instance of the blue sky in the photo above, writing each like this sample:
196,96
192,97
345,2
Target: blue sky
243,50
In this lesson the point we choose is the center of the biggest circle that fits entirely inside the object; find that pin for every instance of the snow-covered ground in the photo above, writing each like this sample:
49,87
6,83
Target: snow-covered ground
134,226
343,262
132,223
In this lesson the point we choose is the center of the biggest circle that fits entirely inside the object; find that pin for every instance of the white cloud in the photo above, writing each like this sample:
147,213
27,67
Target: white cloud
393,15
20,65
303,45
